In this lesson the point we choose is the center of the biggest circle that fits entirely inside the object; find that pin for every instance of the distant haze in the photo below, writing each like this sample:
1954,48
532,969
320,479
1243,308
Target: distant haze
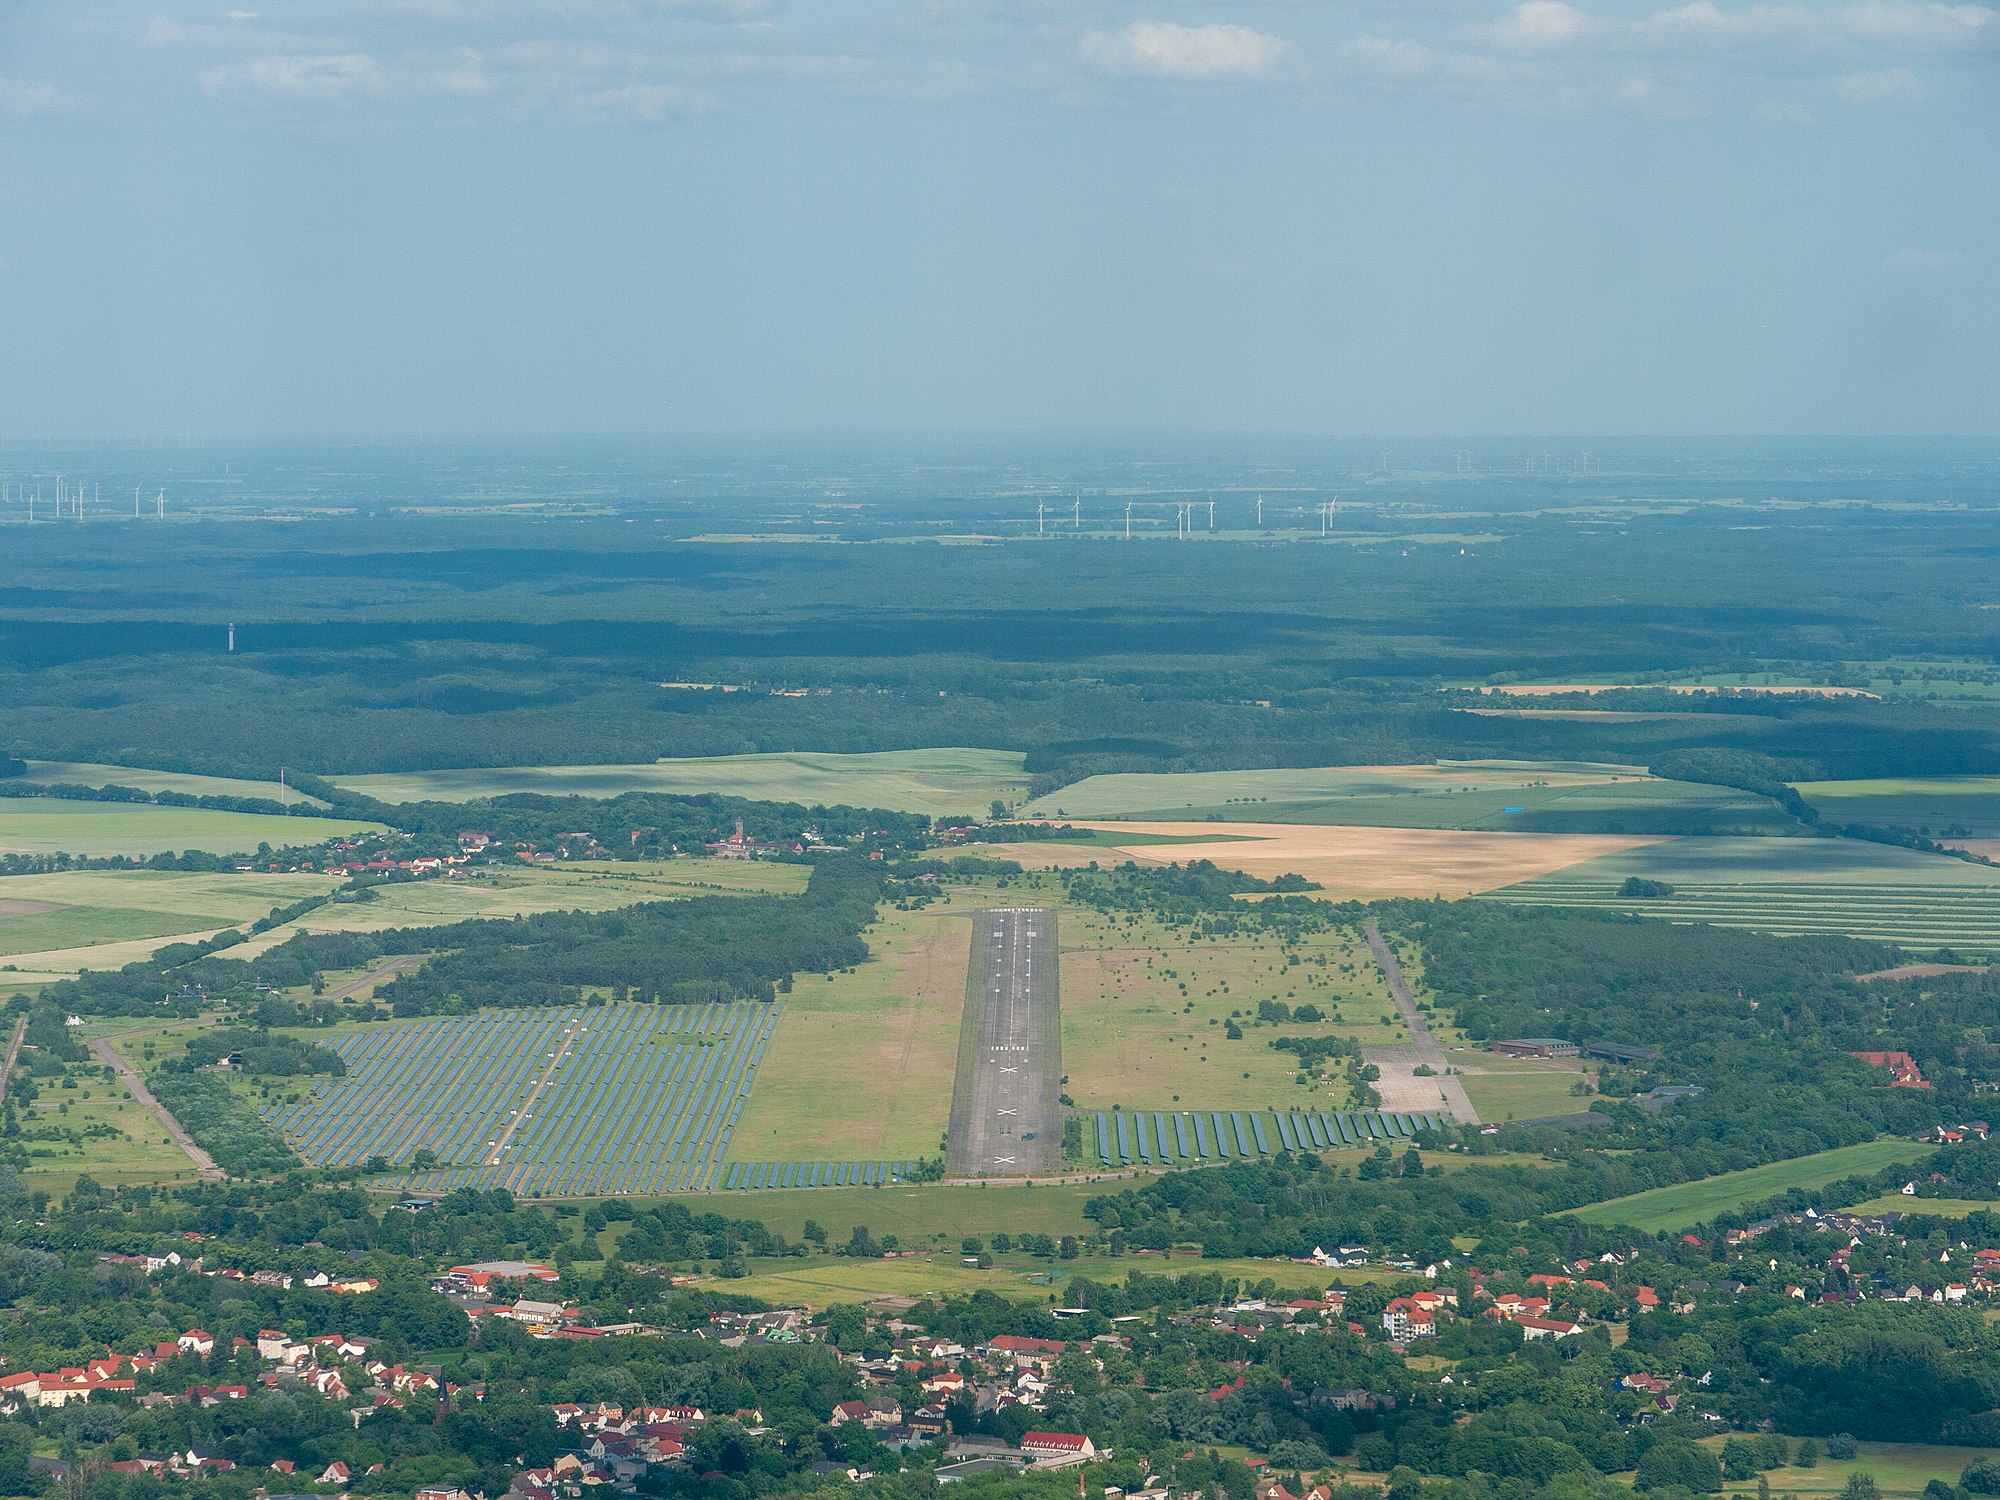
444,217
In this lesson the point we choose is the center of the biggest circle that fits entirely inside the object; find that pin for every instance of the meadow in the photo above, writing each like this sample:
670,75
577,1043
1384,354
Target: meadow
821,1280
1687,1203
938,783
1504,1088
1144,1011
578,885
98,1130
52,825
59,923
919,1213
1791,887
1899,1469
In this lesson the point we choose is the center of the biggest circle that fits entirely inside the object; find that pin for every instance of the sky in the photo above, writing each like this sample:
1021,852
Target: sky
467,217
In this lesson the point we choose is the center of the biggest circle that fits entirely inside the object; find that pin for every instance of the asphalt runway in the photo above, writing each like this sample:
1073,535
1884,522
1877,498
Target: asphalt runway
1006,1116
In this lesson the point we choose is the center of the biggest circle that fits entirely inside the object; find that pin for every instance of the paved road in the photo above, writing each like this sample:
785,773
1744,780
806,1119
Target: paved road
375,975
1402,1084
1006,1116
202,1160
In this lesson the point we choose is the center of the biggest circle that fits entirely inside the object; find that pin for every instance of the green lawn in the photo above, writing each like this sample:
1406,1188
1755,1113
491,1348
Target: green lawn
936,782
1941,1208
49,825
1897,1468
1935,803
822,1279
1688,1203
914,1214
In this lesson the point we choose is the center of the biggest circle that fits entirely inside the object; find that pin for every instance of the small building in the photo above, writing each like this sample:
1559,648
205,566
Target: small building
1535,1046
1057,1450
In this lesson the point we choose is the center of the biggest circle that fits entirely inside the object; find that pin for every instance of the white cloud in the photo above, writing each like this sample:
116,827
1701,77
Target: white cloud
1788,114
1167,49
333,75
1650,96
1889,85
640,103
21,96
1928,260
1554,26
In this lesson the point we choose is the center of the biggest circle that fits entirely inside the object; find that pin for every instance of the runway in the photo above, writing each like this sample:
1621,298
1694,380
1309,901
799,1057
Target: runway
1006,1115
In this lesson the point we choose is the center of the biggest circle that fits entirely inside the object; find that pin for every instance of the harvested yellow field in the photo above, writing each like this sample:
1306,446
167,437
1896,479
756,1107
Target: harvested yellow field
1550,689
1364,863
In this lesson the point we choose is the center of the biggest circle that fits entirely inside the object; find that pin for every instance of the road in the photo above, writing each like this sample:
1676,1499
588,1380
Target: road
1401,1088
374,976
13,1054
204,1163
1006,1113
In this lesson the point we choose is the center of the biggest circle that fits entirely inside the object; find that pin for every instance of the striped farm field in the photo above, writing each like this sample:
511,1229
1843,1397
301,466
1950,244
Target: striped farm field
561,1102
1791,887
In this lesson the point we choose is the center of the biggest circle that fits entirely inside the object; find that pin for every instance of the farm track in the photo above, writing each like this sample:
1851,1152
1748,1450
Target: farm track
13,1055
1423,1048
204,1163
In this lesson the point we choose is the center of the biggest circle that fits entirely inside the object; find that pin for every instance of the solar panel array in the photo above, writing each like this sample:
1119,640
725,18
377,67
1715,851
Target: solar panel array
797,1174
570,1101
1152,1138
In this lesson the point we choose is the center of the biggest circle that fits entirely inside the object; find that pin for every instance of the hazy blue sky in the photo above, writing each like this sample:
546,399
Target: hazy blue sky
1431,216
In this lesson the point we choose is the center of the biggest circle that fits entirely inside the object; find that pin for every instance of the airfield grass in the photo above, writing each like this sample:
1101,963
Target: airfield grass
861,1065
90,773
1502,1088
1696,1202
1938,806
50,825
1897,1469
1791,887
938,782
1144,1011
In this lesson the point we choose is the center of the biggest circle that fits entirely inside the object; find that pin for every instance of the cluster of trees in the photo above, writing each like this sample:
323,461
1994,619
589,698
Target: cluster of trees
259,1053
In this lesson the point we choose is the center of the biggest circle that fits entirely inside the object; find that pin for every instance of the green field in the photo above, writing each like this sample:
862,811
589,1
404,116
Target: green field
517,892
49,825
1941,1208
1697,1202
1791,886
1260,796
1937,806
935,782
1144,1007
1897,1469
915,1214
1503,1088
820,1280
61,922
88,773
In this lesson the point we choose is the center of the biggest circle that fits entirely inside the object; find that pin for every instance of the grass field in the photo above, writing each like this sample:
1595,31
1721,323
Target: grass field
1244,795
821,1280
1943,807
861,1065
935,782
579,886
86,773
61,922
1941,1208
95,1130
1503,1088
1143,1013
1792,886
1523,798
1688,1203
917,1214
1897,1469
49,825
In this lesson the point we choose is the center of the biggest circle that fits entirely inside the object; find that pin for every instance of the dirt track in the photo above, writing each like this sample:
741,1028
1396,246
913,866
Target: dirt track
1405,1090
204,1163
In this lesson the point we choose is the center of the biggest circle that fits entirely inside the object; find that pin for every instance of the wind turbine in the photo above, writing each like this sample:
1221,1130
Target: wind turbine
1078,523
1128,520
1039,509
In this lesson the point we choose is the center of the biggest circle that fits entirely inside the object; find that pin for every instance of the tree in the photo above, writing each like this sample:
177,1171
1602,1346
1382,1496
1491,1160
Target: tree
1808,1454
1678,1461
1739,1459
1982,1476
1860,1487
